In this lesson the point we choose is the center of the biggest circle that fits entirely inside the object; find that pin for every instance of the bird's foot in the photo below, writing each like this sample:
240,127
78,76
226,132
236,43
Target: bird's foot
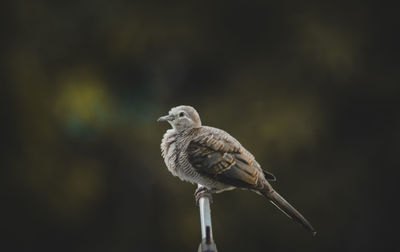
202,192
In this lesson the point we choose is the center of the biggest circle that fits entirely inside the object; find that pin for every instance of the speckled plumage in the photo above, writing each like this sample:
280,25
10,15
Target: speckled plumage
213,158
176,149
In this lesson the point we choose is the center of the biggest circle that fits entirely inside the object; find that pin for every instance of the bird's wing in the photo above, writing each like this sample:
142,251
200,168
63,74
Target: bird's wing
216,154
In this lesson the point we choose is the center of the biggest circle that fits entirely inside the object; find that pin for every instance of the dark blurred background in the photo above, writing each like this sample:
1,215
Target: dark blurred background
310,88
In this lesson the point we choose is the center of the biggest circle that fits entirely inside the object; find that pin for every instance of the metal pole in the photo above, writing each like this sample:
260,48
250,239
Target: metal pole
207,243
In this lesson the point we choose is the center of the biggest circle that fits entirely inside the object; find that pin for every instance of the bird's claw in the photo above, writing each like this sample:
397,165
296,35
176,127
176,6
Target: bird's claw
202,192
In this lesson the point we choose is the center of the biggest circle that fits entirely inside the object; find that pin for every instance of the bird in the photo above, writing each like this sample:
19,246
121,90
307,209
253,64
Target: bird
217,161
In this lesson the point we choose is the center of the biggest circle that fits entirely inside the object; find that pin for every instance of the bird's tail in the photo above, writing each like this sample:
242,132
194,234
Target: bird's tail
287,209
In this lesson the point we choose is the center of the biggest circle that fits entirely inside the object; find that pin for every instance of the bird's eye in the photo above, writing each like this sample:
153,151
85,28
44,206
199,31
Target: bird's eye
181,114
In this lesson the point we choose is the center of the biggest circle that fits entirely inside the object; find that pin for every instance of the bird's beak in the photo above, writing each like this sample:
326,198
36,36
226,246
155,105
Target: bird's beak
165,118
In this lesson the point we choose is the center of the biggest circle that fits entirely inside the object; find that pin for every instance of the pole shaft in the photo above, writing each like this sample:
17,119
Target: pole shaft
205,217
207,243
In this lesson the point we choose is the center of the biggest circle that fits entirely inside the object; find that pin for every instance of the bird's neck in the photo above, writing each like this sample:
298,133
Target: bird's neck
181,130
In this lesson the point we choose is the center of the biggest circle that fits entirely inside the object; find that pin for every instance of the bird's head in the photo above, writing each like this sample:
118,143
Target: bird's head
182,117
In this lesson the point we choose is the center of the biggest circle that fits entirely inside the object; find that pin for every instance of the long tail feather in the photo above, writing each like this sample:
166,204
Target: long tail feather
288,209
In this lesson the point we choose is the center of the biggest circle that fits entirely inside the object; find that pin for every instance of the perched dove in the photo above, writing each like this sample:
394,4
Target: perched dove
214,159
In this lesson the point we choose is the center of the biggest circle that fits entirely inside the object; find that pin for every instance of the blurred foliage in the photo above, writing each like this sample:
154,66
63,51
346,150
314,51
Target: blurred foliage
310,88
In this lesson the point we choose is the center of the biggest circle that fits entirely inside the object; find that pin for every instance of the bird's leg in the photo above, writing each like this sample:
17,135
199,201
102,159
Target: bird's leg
203,192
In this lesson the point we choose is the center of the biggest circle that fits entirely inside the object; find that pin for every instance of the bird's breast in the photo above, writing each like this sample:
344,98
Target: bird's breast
169,150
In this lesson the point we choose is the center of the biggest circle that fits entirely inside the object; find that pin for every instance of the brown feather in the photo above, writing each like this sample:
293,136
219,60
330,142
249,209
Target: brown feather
223,159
